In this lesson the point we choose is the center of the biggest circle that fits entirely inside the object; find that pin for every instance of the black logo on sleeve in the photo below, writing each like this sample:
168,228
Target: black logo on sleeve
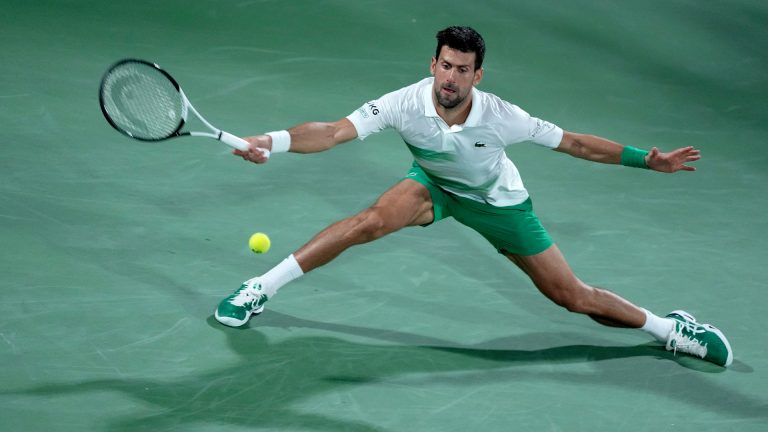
374,109
479,144
541,128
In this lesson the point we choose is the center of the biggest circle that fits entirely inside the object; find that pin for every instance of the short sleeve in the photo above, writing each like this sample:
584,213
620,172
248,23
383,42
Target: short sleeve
376,115
544,133
521,126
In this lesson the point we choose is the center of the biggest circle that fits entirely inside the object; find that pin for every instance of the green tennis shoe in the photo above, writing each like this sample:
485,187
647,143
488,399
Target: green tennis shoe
701,340
236,310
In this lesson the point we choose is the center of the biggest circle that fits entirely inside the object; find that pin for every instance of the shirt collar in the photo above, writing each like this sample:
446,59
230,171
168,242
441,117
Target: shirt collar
429,106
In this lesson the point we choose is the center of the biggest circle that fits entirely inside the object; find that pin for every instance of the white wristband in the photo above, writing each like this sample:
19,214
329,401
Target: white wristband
281,141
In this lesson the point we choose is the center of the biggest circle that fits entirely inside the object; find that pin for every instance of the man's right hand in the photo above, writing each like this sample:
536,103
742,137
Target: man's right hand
258,151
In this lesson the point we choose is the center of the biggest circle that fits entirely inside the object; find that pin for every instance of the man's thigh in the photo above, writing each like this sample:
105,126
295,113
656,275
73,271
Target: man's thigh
407,203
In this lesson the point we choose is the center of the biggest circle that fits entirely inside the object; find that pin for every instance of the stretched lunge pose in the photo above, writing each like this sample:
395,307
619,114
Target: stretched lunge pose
457,135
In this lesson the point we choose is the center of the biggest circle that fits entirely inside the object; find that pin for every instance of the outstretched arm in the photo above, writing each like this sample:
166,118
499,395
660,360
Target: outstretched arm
305,138
597,149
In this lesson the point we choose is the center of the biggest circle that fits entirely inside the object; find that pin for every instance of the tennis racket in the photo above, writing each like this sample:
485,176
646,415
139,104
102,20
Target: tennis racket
144,102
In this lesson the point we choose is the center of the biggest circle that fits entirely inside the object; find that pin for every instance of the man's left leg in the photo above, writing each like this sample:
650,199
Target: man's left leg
407,203
552,275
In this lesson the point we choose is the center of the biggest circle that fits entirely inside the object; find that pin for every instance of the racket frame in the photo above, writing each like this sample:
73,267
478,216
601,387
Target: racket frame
216,133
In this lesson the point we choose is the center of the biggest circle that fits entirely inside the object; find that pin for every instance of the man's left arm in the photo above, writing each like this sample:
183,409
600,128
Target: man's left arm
597,149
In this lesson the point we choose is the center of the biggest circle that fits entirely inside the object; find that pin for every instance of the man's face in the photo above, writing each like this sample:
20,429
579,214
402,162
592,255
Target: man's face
455,75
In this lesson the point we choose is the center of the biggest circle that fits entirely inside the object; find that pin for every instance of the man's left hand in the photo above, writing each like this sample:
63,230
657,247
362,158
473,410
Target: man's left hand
673,161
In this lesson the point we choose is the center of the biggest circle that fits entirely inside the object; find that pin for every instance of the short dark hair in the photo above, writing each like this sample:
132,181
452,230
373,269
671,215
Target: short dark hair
464,39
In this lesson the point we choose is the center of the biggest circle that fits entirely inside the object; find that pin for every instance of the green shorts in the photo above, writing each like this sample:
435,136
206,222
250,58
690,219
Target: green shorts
514,229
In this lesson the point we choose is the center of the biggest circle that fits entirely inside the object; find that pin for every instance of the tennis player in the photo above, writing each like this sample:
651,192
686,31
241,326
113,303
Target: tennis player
457,135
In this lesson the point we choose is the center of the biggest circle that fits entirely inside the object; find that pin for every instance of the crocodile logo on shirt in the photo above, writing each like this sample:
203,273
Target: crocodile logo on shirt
479,144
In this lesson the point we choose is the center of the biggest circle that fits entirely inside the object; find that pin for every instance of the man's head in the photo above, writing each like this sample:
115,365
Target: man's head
464,39
457,65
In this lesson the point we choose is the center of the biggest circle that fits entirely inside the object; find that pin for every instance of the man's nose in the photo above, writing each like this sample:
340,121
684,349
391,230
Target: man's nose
451,75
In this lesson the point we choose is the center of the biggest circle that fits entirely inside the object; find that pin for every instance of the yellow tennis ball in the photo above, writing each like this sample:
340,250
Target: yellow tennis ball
259,243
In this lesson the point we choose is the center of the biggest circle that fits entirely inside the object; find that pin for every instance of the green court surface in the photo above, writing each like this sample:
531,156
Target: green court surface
115,253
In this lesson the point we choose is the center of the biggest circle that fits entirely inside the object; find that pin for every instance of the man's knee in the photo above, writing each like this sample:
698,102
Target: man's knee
370,224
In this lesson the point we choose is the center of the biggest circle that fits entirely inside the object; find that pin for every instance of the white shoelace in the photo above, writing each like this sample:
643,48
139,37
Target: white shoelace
246,295
685,343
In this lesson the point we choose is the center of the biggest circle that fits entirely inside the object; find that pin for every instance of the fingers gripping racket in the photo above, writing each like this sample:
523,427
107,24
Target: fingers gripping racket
144,102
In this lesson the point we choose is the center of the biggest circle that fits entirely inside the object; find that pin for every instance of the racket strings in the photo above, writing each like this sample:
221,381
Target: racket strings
142,101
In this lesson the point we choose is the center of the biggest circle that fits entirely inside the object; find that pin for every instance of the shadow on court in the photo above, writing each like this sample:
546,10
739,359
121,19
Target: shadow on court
271,380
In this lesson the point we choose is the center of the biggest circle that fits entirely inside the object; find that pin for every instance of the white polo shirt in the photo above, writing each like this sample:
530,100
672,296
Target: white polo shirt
469,159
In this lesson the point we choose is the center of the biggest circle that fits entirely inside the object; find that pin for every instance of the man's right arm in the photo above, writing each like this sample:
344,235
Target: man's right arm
316,137
309,137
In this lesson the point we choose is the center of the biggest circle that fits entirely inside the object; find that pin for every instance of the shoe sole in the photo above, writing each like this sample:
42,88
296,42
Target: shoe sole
234,322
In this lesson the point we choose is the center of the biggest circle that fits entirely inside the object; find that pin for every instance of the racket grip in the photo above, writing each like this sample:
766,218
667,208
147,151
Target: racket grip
234,142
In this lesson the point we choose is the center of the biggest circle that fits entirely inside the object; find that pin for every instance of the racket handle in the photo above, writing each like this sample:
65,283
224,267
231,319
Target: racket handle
234,142
239,143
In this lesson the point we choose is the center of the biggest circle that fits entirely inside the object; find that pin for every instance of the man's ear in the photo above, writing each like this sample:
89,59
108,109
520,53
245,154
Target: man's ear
478,76
432,66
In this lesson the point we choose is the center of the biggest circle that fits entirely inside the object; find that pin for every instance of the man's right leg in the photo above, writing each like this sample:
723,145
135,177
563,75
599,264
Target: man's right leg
408,203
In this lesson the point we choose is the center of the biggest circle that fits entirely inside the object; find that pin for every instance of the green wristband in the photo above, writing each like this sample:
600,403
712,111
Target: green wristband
633,157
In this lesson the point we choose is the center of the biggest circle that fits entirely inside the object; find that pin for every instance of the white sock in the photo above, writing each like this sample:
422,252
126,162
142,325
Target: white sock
280,275
658,327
